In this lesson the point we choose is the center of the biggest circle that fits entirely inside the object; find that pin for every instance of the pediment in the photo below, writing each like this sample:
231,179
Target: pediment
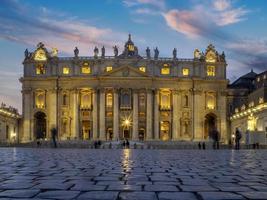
125,72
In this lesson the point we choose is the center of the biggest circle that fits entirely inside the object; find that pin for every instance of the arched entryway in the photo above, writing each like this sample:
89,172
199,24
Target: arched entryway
40,125
164,130
210,123
141,134
109,135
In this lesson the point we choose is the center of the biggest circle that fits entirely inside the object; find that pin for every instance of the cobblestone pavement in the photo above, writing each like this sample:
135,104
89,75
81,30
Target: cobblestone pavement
132,174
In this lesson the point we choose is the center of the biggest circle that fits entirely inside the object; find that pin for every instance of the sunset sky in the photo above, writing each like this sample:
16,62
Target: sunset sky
238,27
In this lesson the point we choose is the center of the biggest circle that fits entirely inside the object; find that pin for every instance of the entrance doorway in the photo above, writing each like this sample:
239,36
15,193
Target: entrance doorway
210,123
141,134
126,134
164,130
40,125
86,130
109,134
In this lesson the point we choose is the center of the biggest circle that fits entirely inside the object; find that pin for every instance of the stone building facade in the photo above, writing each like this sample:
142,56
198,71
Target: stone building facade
9,124
247,100
124,96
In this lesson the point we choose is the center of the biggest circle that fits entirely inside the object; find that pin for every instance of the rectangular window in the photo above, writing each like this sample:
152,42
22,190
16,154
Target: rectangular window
142,69
66,70
165,70
86,70
40,69
210,70
108,68
185,71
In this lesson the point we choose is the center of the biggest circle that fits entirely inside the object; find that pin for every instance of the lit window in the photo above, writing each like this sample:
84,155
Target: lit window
264,77
109,68
66,70
165,99
165,69
109,100
258,79
210,70
261,100
185,71
131,47
86,97
210,102
86,69
142,69
40,69
40,99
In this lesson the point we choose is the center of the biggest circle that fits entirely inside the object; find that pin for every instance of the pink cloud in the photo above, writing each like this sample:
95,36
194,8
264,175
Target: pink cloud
221,5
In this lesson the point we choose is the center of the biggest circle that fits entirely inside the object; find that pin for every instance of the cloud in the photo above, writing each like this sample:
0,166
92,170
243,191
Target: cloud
221,5
146,11
20,23
160,4
202,19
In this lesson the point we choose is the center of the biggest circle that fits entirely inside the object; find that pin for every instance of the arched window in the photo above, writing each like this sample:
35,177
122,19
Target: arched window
165,99
65,99
126,99
142,100
210,101
185,100
40,99
109,100
86,99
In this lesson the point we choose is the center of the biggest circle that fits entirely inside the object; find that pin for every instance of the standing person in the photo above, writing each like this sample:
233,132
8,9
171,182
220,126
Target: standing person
215,135
54,135
238,137
127,144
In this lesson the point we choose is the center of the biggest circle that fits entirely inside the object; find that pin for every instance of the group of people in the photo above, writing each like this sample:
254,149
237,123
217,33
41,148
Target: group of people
126,144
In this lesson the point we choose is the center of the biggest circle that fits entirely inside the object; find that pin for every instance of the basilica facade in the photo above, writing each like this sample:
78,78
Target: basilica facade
124,96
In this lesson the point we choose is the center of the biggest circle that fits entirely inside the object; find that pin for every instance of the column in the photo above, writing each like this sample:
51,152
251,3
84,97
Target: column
174,115
27,98
52,109
115,115
102,116
135,115
156,115
95,120
75,118
149,115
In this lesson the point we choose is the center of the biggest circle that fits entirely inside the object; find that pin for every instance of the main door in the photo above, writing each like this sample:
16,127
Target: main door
40,125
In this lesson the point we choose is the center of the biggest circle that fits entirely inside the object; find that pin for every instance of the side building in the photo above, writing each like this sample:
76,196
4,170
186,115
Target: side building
124,96
247,100
9,124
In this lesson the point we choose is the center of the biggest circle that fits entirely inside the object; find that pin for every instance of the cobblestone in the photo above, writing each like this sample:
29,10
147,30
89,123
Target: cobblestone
132,174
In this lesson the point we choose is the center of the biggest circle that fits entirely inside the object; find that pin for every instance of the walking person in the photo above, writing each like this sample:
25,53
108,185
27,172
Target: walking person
238,137
54,135
215,135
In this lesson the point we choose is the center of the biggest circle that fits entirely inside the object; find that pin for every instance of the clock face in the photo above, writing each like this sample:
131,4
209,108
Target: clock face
40,55
210,57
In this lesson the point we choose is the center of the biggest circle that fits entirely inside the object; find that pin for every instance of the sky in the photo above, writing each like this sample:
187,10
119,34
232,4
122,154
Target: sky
237,27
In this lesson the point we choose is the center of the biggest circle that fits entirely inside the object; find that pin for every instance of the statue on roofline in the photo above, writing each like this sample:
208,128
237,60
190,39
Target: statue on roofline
156,53
116,51
96,52
148,52
76,52
174,53
103,52
26,53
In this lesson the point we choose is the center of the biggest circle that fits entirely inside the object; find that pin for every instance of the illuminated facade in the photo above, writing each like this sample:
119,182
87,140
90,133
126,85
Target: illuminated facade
124,96
9,124
247,100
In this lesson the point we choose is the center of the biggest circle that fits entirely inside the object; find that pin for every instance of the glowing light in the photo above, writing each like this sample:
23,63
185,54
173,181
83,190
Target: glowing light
108,68
66,70
210,70
185,71
142,69
40,55
165,70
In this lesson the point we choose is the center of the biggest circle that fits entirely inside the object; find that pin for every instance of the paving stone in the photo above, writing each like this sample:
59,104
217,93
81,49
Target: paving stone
161,188
104,195
57,194
176,196
220,196
197,188
138,196
124,187
105,173
85,187
254,195
19,193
